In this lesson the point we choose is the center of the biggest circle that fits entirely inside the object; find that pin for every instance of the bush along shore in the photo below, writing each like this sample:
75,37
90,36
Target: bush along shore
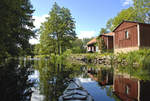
136,63
95,58
133,59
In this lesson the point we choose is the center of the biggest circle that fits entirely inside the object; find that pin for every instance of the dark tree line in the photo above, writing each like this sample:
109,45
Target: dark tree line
16,27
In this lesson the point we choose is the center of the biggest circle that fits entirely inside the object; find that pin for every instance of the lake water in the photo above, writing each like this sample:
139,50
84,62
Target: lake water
45,80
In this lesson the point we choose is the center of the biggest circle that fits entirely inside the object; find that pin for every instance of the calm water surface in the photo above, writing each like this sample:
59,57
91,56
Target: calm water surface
42,80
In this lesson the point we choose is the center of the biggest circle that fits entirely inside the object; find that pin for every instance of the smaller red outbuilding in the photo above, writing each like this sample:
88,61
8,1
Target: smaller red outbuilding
108,40
91,46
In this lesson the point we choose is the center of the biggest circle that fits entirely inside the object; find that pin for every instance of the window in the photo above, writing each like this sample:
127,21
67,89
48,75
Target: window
127,89
126,35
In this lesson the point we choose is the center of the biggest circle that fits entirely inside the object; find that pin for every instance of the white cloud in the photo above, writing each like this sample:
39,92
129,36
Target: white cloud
34,40
39,20
127,2
86,34
37,23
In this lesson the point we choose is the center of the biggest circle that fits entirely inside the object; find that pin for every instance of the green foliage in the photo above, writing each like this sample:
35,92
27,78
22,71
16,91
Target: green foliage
54,77
139,11
142,10
109,24
55,58
37,49
90,57
137,63
78,46
57,32
77,43
101,44
78,50
86,40
42,56
67,53
126,14
16,27
112,60
103,31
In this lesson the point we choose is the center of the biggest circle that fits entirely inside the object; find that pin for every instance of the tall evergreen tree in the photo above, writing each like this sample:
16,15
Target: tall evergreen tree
16,27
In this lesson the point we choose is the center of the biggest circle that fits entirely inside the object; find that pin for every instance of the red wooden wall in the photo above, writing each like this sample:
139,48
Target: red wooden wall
145,35
120,85
121,41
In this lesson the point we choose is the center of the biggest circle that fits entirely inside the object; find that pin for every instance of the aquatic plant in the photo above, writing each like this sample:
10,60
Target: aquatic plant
90,57
112,60
101,44
137,63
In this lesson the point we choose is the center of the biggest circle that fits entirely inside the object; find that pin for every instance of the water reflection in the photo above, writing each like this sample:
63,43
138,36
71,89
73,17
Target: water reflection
14,82
102,90
131,89
54,78
102,76
45,80
118,85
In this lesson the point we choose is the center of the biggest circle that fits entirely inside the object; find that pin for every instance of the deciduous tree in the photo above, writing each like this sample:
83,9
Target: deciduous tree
103,31
126,14
142,10
58,31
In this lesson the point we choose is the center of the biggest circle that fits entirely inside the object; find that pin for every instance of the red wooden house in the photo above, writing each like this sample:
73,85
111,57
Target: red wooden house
91,46
108,40
130,36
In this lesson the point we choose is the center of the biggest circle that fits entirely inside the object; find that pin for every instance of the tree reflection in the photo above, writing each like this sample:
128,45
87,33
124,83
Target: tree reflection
54,77
14,82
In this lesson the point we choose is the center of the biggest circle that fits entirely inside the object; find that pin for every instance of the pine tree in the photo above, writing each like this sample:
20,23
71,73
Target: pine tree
16,27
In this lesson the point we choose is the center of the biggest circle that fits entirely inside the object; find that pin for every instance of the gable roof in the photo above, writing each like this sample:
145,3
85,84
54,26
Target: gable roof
92,41
108,34
129,22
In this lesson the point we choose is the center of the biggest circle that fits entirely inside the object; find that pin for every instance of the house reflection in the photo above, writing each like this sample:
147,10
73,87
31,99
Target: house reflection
131,89
102,76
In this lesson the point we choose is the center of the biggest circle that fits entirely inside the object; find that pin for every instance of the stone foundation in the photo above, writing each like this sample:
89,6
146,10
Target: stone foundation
125,50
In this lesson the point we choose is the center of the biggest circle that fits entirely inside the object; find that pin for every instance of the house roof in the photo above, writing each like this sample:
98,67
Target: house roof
92,41
129,22
108,34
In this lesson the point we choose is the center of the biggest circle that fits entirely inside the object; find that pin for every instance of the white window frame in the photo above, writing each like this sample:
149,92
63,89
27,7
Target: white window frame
126,34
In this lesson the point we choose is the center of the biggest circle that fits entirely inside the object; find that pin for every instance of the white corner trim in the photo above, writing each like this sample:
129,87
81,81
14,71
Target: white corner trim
139,87
114,41
138,32
107,42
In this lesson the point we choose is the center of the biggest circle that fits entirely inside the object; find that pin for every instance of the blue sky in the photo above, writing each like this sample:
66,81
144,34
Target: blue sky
90,15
